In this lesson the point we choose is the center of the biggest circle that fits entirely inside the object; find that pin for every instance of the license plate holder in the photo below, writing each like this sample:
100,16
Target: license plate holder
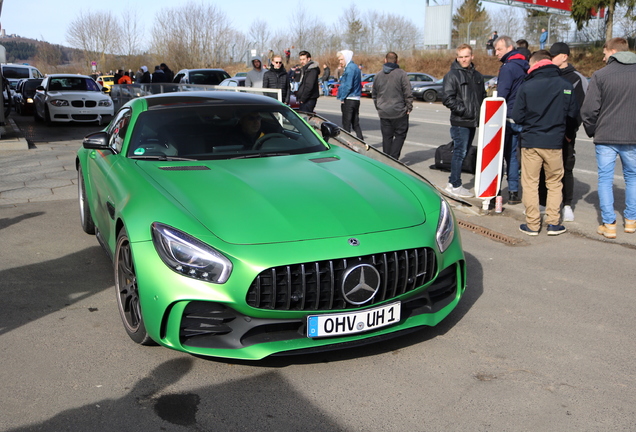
348,323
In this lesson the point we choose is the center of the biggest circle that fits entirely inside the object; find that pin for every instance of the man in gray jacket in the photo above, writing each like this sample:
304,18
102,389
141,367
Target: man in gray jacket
608,115
254,78
393,98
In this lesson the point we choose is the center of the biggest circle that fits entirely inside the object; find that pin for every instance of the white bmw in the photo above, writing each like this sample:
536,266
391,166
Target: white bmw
67,98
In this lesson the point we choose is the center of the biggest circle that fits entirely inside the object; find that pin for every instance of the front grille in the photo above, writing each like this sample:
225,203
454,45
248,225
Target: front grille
84,116
77,104
317,285
90,104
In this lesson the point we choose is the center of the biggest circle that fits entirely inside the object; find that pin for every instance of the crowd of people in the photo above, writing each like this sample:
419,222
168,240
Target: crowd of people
547,100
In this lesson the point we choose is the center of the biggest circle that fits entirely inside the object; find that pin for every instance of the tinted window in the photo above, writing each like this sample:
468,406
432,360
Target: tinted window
207,77
15,72
118,128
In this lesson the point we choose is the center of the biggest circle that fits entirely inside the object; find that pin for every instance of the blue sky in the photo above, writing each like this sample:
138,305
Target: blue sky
48,20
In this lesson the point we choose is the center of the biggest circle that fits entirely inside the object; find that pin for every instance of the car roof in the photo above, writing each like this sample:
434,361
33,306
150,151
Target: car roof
216,97
68,76
201,69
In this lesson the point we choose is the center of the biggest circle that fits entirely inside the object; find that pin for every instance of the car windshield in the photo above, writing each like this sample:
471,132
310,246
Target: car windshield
15,72
207,77
72,84
206,131
31,85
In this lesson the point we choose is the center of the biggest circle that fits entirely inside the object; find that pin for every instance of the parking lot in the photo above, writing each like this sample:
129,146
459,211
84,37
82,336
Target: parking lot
542,340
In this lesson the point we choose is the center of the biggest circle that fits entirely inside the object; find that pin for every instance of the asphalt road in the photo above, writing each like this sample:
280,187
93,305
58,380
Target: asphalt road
542,340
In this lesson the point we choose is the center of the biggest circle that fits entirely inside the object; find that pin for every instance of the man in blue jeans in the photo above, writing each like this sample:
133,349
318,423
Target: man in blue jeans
464,91
349,92
511,74
608,116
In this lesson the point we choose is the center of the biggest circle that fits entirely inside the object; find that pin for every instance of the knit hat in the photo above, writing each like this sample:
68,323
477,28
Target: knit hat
144,69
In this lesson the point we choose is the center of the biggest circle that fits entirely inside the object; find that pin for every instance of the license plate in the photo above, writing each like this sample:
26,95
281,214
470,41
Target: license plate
347,323
84,112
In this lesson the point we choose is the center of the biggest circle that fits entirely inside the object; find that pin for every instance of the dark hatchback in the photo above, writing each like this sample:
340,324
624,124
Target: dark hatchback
23,97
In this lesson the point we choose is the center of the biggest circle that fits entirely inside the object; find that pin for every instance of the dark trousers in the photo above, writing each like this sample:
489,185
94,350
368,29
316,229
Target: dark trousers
308,106
351,116
393,135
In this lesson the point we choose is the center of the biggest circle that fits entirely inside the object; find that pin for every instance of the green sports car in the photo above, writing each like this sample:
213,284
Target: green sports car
237,231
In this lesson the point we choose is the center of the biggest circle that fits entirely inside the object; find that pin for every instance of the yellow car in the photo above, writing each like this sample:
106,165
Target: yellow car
106,81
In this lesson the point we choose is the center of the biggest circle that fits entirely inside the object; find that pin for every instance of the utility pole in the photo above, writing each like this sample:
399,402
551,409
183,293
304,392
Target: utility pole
2,119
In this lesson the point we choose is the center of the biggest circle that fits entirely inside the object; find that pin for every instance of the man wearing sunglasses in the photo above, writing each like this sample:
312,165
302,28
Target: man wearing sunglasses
277,78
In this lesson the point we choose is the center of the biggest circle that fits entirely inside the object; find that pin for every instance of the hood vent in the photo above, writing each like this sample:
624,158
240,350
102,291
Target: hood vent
185,168
325,159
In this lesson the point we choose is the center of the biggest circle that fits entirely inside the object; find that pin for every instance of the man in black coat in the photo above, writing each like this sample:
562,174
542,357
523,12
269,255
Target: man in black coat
277,78
308,92
544,106
464,90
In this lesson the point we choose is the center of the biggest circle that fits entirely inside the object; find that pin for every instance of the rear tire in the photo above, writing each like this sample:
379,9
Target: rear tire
86,218
128,301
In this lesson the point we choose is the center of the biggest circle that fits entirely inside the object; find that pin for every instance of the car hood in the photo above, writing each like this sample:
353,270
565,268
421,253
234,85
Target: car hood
76,95
289,198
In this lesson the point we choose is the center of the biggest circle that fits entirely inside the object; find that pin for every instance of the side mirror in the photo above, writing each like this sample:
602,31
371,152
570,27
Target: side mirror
96,141
40,88
329,130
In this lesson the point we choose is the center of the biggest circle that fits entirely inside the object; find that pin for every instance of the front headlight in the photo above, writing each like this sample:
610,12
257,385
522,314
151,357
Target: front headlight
105,102
59,102
188,256
445,227
29,100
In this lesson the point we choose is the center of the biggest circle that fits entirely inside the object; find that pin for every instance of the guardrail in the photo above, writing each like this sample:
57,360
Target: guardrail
123,93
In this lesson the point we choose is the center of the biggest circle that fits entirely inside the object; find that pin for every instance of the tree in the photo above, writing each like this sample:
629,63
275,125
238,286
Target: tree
396,33
131,32
94,33
354,28
470,20
582,12
260,34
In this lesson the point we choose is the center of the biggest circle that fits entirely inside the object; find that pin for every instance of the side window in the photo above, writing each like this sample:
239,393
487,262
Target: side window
426,78
117,130
179,77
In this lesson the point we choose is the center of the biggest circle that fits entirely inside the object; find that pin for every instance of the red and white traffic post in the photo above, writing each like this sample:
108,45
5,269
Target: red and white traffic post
490,144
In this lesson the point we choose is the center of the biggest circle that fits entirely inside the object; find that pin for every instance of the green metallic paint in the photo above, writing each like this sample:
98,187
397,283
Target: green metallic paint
284,210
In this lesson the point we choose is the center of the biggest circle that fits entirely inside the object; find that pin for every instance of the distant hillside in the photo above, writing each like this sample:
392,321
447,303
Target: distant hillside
24,50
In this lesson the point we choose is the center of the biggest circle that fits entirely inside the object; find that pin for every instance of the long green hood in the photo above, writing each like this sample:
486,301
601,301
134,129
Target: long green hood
290,198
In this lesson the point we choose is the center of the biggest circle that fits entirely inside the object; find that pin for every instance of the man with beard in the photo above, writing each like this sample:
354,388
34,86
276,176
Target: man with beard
308,92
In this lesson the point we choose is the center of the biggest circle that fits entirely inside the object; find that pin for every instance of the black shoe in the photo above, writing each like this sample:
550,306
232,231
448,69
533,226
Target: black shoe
554,230
513,198
524,229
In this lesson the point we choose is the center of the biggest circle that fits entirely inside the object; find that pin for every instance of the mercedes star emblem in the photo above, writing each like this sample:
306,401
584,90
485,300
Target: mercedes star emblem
360,284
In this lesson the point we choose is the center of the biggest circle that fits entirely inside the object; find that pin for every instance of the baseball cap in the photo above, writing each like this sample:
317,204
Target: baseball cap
559,48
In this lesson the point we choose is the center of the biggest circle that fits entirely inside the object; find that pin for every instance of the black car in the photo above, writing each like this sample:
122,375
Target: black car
428,91
23,97
200,76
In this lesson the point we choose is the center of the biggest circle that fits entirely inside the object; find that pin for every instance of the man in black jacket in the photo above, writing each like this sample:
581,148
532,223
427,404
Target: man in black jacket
308,92
464,91
544,106
560,52
393,98
277,78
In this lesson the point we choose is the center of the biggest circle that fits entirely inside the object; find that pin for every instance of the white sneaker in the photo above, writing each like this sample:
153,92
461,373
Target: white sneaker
568,214
460,191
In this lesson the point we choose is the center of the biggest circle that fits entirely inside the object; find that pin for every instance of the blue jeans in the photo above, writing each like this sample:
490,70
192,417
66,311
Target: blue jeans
606,160
325,88
462,140
511,155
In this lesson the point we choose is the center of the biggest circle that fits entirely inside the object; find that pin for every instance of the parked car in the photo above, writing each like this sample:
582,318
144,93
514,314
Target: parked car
367,85
200,76
106,81
420,77
428,91
230,246
67,97
24,93
240,74
15,72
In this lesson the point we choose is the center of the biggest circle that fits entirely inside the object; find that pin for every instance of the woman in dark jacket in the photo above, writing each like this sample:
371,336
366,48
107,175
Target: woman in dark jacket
277,78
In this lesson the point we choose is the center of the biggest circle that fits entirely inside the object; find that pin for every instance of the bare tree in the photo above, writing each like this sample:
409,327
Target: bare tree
95,33
397,33
354,28
132,32
507,22
260,34
199,35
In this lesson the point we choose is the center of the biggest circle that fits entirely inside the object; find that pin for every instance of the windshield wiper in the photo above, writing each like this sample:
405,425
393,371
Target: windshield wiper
259,155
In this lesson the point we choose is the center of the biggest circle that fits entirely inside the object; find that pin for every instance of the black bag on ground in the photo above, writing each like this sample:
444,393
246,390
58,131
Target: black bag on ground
444,155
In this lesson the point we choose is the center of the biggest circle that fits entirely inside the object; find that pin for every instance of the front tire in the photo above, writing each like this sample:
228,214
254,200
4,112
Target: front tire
429,96
86,218
128,301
